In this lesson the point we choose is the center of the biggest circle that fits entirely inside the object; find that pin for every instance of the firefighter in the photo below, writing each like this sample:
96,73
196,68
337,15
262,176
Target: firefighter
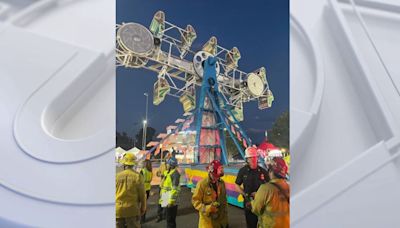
271,202
170,189
209,198
251,176
147,173
130,200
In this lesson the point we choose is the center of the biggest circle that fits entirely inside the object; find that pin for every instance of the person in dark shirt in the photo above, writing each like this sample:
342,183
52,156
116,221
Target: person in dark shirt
251,176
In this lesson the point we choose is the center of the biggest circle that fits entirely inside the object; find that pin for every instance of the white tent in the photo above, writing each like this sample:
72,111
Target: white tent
275,153
119,153
119,150
134,151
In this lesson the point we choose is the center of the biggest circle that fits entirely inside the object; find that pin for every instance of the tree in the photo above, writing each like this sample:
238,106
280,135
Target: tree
279,134
124,141
150,133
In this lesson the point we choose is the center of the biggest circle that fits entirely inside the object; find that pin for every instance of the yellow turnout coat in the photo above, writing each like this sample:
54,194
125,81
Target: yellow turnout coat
271,205
204,196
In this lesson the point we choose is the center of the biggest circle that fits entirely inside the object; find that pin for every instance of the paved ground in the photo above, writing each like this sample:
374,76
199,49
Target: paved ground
187,216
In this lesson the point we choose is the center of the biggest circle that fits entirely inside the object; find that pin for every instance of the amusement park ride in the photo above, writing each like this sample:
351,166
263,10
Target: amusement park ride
166,49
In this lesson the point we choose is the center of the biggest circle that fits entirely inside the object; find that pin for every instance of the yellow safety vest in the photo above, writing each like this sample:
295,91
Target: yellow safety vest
161,170
148,176
167,186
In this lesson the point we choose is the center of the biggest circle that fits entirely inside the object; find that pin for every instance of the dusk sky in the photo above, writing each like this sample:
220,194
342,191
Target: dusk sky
259,29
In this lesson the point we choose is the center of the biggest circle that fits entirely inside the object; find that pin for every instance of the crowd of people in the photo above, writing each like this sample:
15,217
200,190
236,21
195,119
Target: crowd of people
266,193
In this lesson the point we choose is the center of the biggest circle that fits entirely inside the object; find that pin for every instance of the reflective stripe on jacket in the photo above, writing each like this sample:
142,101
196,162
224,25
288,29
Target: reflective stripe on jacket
129,193
271,205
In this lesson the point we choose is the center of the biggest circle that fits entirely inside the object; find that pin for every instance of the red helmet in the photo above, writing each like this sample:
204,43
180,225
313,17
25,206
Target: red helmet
214,169
279,167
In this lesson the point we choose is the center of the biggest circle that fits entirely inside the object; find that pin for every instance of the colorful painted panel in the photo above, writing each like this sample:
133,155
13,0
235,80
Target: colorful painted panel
195,174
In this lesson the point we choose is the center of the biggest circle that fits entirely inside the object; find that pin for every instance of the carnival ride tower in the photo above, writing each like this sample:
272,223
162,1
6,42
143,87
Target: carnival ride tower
213,71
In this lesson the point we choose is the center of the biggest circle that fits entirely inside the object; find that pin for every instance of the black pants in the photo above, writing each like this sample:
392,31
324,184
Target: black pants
251,219
143,218
171,216
160,212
